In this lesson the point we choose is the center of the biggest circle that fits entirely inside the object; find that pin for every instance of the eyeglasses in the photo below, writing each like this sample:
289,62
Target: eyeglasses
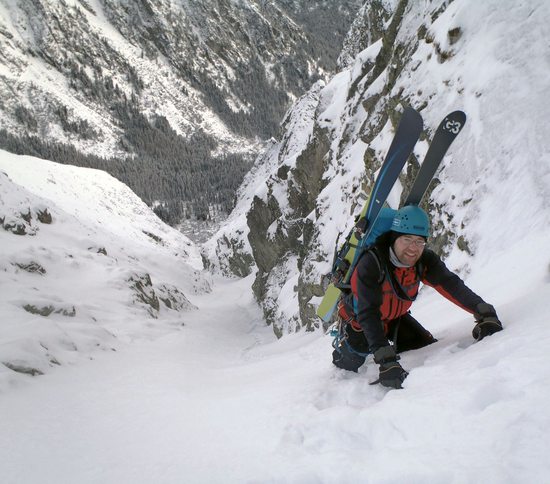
418,243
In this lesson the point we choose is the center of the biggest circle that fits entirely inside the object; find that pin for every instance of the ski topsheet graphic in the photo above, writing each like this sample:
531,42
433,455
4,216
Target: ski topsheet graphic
445,134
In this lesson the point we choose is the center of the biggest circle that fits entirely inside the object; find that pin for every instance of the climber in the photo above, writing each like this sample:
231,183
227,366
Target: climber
375,319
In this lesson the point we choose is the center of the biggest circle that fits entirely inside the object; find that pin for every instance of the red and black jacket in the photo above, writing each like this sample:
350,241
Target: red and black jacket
380,300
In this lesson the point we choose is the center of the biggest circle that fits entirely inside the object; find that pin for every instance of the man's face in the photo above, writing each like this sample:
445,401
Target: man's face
408,248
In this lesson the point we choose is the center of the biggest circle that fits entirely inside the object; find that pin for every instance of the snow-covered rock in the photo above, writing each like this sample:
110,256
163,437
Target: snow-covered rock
85,266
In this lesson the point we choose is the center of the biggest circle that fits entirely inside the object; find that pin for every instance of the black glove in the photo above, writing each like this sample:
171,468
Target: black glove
391,373
487,321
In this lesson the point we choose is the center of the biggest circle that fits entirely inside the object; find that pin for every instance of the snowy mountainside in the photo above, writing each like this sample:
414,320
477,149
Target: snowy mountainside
367,27
494,186
150,91
66,66
198,404
85,266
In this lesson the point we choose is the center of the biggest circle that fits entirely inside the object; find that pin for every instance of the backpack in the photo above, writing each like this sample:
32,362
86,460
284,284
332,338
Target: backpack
346,305
346,258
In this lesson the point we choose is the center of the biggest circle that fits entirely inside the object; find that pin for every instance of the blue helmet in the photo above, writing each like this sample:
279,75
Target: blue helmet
411,220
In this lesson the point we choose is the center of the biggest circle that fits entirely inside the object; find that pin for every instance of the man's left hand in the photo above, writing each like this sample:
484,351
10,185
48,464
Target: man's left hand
487,322
486,327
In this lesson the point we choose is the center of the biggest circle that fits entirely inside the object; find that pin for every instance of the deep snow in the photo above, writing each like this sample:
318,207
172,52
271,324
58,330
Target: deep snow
222,401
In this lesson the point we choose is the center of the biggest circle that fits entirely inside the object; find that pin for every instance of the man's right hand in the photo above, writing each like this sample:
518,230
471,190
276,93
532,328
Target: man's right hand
391,374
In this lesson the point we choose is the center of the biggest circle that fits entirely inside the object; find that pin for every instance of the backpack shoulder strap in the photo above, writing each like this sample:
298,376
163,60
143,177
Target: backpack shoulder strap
381,273
420,267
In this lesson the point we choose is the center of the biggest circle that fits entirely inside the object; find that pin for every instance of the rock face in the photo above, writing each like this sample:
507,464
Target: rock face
311,181
283,234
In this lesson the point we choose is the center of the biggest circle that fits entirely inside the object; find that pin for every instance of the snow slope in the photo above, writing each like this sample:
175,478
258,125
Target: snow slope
220,400
96,275
223,402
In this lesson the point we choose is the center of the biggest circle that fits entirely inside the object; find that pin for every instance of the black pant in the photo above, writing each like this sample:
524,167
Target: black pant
408,334
405,332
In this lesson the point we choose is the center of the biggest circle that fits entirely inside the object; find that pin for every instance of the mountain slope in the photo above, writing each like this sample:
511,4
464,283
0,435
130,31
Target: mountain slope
173,98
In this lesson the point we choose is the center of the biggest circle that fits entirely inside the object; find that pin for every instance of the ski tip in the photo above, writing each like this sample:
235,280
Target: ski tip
458,112
453,123
410,112
456,116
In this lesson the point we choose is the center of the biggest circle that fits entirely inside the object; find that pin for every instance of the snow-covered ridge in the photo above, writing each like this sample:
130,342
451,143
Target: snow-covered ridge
229,250
85,265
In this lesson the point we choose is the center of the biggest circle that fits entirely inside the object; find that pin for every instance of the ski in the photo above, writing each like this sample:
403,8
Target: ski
445,134
406,136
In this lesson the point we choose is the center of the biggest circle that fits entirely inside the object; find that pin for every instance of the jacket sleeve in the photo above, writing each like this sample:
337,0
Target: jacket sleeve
447,283
368,295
